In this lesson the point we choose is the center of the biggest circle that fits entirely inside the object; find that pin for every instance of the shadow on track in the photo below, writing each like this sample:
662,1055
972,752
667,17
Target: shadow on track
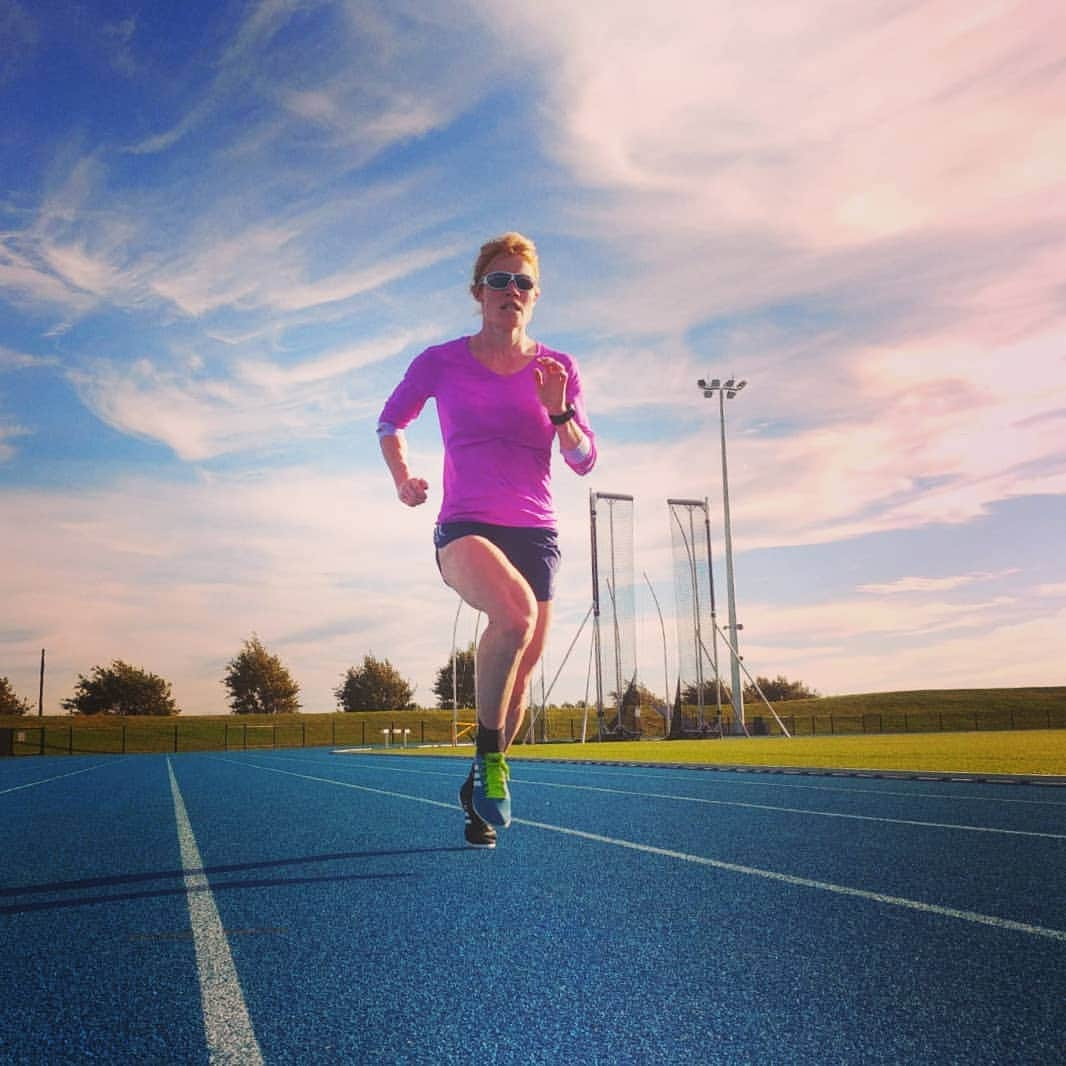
209,871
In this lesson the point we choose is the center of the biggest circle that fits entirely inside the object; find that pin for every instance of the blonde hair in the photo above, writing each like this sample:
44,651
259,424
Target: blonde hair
506,244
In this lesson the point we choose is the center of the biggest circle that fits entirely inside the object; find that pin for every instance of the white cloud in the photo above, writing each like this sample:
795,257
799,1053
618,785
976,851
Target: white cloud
174,576
259,405
14,360
934,584
8,432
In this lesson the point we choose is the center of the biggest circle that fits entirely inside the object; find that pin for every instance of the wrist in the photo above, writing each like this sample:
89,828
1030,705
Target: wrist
562,417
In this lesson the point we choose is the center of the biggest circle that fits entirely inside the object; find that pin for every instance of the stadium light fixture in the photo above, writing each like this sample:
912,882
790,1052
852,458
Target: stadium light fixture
728,390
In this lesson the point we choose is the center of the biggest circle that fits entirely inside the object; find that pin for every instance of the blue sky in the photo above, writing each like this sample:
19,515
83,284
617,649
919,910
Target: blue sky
226,228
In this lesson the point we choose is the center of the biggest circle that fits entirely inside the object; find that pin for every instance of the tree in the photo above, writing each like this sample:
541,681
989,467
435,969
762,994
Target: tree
690,694
780,688
9,702
442,688
258,683
121,689
376,686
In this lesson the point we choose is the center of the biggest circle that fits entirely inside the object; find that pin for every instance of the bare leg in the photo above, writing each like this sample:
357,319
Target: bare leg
516,710
485,579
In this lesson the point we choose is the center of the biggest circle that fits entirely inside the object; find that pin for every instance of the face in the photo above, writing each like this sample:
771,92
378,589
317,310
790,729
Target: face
510,308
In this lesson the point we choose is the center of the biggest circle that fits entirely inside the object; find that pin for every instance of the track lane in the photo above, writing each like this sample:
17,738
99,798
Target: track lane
621,927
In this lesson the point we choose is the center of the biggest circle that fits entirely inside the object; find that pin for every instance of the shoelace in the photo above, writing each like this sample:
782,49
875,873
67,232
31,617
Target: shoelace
497,773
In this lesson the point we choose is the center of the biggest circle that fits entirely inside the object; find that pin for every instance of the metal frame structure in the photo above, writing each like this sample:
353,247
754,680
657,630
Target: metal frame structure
699,649
621,682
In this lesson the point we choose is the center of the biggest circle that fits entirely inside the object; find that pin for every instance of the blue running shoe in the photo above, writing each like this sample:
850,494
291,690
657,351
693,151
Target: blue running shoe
491,799
478,832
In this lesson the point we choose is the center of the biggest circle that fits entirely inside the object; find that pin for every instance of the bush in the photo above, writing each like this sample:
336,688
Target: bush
121,689
376,686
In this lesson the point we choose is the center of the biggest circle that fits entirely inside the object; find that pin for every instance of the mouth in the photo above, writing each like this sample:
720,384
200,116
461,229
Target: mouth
510,305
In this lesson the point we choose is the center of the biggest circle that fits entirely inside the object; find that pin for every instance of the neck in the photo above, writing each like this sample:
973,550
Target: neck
504,343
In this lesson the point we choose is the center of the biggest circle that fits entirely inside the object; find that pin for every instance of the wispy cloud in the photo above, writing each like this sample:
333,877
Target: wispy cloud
8,432
129,557
733,174
262,404
934,584
877,243
13,360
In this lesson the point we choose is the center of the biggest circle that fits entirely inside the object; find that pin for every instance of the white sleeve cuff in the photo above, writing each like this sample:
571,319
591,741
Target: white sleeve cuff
581,452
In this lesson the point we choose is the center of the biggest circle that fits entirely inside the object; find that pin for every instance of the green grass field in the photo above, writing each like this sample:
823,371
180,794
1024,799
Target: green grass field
986,731
1026,753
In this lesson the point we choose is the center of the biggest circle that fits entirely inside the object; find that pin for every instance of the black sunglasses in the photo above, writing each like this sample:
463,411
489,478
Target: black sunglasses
500,279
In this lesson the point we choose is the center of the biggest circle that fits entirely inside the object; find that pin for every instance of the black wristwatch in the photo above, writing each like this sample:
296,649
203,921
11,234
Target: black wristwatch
561,420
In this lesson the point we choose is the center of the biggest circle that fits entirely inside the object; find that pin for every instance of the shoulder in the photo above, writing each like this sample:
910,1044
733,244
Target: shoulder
438,355
568,361
563,357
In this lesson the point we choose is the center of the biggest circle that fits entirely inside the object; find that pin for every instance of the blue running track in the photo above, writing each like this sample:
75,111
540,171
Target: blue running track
312,907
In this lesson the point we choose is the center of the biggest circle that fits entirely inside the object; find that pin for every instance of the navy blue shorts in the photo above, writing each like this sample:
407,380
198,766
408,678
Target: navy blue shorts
532,551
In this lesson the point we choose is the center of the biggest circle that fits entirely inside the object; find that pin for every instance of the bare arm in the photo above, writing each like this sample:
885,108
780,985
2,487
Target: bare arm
576,447
411,490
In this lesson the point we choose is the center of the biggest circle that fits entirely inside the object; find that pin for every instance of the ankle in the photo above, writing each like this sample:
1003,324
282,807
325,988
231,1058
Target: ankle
489,740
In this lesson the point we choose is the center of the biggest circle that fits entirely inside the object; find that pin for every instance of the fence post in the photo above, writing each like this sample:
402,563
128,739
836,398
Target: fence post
175,736
70,739
303,734
274,735
123,738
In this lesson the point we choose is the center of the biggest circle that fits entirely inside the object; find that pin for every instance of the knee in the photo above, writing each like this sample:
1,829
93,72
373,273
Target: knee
517,619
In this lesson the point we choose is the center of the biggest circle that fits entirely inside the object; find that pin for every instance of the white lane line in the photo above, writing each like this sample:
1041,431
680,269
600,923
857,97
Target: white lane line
806,882
725,778
768,781
756,806
799,810
717,864
45,780
227,1025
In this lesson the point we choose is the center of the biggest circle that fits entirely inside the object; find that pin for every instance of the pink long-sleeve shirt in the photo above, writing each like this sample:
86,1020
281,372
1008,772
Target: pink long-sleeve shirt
497,435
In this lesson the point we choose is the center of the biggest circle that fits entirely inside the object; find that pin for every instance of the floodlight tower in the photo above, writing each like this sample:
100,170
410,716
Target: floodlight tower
727,390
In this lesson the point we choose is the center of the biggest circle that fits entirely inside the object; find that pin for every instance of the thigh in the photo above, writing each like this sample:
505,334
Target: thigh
484,576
